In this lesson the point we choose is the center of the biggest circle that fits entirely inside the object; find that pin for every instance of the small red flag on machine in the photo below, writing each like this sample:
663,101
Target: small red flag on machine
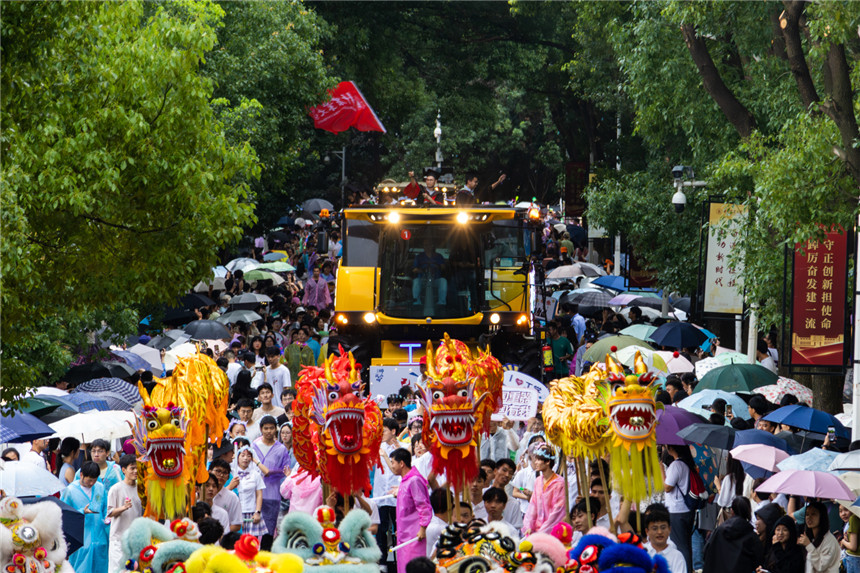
346,108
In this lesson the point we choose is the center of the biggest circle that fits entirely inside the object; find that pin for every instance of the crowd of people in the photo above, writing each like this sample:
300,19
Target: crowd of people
523,481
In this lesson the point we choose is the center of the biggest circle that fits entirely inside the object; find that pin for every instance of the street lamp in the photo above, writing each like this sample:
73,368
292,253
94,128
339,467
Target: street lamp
342,155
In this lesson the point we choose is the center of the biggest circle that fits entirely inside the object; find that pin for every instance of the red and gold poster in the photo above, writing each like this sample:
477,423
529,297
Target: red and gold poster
818,301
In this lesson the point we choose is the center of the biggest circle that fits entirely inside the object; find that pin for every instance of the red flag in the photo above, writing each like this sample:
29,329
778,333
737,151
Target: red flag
346,108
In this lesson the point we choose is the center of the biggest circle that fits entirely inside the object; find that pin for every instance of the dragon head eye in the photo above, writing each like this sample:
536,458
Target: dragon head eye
176,422
464,393
333,395
152,424
438,394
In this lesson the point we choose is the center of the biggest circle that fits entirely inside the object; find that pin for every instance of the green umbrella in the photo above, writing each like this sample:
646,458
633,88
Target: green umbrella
277,266
261,275
640,331
39,407
736,378
732,358
604,346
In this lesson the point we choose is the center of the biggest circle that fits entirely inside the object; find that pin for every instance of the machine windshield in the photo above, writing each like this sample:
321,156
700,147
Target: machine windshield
430,270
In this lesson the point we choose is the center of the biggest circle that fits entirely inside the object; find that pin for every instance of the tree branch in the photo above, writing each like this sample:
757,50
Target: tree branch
737,114
790,24
126,227
777,44
840,107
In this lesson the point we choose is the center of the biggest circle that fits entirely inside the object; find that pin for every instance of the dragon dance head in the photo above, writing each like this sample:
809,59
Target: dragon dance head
631,410
460,393
477,546
31,538
151,547
632,406
336,431
599,554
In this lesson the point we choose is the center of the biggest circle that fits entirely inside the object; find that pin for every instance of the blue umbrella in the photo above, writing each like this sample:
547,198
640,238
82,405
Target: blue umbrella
270,257
695,402
86,401
814,459
614,282
678,335
132,359
807,418
706,345
18,427
759,437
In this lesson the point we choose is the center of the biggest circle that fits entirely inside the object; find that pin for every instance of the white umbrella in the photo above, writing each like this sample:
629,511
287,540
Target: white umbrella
849,461
677,364
242,264
592,270
148,353
21,479
239,316
50,391
647,312
181,340
705,365
172,356
217,284
565,272
89,426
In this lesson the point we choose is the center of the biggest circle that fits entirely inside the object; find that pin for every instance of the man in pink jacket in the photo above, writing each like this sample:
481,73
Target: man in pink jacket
413,508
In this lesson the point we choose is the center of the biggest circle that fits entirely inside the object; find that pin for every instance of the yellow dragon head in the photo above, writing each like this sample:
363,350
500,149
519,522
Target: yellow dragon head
632,408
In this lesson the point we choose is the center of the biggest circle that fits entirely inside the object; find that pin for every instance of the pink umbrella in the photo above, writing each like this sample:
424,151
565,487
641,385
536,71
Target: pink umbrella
622,299
676,363
808,484
759,455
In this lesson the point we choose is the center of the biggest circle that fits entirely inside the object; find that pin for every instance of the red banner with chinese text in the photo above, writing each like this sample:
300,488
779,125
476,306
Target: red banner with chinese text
818,301
346,108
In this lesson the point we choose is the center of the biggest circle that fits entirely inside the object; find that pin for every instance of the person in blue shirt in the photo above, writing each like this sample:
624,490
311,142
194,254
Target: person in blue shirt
109,472
89,496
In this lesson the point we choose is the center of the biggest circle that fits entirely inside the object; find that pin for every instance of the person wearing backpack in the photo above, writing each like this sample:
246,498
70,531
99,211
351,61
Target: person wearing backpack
677,487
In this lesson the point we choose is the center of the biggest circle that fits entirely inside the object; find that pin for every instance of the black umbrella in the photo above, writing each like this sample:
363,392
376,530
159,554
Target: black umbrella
73,522
678,335
80,374
194,300
682,304
178,316
650,302
578,235
207,330
286,221
160,342
722,437
314,206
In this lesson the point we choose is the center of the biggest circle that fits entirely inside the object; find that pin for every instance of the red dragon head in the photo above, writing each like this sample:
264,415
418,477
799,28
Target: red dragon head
458,396
336,431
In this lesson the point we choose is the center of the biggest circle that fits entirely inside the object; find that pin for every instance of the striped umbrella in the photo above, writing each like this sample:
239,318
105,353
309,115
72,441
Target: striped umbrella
128,392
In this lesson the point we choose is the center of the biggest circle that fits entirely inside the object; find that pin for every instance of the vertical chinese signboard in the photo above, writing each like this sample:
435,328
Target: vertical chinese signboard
723,289
818,301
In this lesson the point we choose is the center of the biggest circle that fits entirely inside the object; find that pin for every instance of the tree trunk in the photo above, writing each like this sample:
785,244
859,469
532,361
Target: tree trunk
826,390
737,114
790,24
840,108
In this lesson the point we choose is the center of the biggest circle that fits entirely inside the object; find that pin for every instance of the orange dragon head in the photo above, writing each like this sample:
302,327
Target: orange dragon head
336,431
459,394
632,407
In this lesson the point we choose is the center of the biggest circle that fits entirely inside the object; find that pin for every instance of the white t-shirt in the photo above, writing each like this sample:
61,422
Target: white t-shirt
259,413
220,515
383,481
229,502
478,510
34,458
727,491
434,531
233,370
120,523
769,364
673,557
279,378
525,479
248,487
678,475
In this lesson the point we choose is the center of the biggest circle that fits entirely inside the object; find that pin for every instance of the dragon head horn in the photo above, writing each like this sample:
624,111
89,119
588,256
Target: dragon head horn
353,373
639,366
144,394
431,361
613,366
328,375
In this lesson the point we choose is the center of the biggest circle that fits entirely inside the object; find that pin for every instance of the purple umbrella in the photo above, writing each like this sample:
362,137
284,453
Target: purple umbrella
671,420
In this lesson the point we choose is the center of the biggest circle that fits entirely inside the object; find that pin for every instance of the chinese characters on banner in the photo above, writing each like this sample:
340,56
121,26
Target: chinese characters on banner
517,404
818,301
724,292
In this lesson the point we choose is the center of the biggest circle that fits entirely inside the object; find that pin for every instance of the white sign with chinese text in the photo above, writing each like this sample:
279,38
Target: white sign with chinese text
724,291
519,380
385,380
517,404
